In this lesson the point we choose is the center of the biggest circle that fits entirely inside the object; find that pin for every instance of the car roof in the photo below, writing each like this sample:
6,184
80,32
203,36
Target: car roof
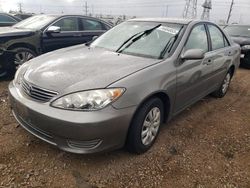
78,15
166,20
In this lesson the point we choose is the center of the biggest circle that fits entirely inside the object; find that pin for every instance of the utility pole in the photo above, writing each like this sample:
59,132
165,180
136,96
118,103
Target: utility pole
230,11
207,6
166,10
190,9
20,7
1,9
86,8
92,7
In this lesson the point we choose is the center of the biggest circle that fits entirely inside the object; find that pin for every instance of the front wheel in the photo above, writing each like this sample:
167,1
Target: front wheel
15,59
221,92
23,55
145,126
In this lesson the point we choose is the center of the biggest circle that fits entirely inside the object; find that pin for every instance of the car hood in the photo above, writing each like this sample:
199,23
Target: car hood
82,68
12,31
241,40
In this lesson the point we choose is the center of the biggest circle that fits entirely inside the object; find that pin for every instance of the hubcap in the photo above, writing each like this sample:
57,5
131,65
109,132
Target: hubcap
151,126
226,83
22,57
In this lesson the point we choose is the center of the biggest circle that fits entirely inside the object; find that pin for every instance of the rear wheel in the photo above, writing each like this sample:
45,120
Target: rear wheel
221,92
145,126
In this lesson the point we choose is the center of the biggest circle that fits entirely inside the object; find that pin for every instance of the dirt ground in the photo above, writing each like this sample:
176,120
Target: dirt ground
208,145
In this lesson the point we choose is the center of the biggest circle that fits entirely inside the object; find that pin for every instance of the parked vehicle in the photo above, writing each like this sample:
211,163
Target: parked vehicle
44,33
23,16
8,20
121,88
241,35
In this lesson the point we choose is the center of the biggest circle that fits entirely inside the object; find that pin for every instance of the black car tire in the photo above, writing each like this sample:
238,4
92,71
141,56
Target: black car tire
245,62
220,93
134,142
7,68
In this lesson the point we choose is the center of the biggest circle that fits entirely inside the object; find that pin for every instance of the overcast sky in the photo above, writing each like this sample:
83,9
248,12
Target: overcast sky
140,8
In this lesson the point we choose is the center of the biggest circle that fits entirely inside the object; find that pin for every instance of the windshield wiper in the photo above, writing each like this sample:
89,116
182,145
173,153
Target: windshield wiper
134,38
170,44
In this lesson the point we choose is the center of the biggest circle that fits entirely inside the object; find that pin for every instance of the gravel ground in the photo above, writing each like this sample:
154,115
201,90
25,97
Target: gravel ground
207,145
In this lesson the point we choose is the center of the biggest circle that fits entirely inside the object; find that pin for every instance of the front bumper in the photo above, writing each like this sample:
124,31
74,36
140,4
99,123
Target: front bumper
72,131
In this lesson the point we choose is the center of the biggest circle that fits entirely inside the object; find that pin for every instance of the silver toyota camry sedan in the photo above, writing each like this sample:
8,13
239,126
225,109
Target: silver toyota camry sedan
118,90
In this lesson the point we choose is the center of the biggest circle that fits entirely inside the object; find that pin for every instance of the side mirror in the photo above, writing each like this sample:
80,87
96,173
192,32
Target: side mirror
53,29
94,38
193,54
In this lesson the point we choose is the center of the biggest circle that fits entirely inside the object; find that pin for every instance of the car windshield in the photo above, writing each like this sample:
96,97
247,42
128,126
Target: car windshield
151,44
236,30
35,22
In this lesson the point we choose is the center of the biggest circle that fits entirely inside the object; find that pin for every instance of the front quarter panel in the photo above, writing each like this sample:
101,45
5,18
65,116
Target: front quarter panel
139,86
31,39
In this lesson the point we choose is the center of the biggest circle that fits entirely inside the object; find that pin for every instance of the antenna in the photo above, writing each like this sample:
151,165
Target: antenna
207,6
190,10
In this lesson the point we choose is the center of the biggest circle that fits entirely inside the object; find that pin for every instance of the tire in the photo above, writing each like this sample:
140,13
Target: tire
144,130
222,91
9,68
6,66
245,63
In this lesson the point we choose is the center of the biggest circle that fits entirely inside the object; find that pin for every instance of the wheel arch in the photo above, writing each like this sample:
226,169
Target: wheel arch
232,70
23,45
163,96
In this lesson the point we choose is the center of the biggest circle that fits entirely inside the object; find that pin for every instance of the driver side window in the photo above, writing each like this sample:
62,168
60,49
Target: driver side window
197,39
68,24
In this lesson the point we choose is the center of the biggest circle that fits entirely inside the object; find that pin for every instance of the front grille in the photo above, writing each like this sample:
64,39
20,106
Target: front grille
37,93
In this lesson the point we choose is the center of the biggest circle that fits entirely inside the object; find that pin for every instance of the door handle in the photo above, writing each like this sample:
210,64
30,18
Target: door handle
77,35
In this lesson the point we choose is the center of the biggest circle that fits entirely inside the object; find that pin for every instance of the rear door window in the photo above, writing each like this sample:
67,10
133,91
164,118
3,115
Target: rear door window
217,38
91,25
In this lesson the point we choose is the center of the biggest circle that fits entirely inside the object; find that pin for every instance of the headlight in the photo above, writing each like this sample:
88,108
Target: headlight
88,100
20,73
17,76
246,47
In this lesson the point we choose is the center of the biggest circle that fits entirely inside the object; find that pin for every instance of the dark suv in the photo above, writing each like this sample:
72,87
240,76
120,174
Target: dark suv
241,35
44,33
